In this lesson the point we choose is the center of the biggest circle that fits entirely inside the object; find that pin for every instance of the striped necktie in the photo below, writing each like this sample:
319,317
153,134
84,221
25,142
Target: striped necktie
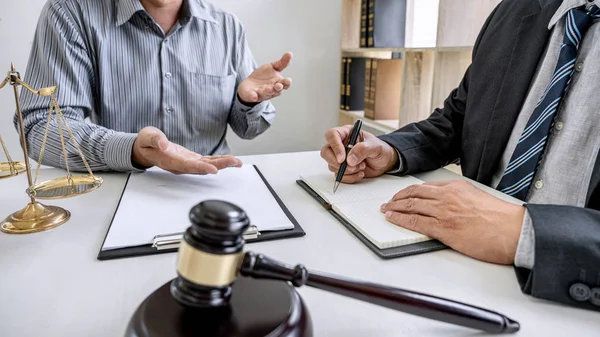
530,148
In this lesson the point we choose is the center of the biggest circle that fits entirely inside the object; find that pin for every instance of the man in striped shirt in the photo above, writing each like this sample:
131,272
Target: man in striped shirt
160,80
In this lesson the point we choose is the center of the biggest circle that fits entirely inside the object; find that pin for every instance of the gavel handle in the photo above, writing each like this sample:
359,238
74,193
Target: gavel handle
427,306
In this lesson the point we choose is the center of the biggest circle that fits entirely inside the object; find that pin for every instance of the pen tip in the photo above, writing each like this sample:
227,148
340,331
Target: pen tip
511,326
335,186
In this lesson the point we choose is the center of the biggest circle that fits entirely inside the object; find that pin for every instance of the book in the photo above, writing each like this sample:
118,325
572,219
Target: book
367,92
370,112
386,24
343,85
359,206
363,23
385,89
370,16
355,84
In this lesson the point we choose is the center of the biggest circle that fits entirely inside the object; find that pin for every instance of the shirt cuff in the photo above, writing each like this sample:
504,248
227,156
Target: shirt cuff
400,167
118,150
525,256
249,109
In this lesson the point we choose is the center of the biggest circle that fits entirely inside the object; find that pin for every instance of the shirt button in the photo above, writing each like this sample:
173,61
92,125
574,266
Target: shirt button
539,184
595,296
169,110
579,66
559,126
168,75
580,292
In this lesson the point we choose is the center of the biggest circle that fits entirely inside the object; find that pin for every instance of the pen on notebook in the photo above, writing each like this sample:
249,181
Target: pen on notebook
351,142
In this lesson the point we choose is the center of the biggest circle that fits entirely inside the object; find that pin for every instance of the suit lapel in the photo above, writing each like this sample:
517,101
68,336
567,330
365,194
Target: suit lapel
528,48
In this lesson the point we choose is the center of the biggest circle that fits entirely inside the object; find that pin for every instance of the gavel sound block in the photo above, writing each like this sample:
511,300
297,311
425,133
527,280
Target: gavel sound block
222,291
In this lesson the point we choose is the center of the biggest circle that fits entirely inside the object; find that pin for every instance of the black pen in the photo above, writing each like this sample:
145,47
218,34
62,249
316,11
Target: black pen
351,142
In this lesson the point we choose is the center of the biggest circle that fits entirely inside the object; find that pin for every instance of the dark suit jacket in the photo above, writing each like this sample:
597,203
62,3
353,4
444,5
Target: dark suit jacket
474,125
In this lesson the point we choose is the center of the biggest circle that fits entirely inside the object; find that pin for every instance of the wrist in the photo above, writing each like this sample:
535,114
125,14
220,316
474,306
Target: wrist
392,157
513,235
246,103
137,159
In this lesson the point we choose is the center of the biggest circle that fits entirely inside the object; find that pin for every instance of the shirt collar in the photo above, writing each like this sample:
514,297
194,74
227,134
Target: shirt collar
126,9
564,8
191,8
198,10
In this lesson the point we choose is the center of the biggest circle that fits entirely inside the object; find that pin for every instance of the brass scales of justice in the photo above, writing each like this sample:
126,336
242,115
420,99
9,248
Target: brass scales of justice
37,217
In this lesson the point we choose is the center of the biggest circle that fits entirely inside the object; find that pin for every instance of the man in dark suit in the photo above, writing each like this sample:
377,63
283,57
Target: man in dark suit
523,120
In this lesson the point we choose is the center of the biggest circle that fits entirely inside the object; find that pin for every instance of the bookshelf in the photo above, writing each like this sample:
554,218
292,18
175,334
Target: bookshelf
433,39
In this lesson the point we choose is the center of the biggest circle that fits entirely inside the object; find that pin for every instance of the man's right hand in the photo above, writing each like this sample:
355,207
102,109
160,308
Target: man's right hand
152,148
369,158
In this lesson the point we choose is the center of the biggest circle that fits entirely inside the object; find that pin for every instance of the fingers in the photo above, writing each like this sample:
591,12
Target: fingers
353,178
282,63
223,162
202,166
286,82
329,156
437,183
425,207
418,191
414,222
362,151
349,169
197,167
267,92
335,140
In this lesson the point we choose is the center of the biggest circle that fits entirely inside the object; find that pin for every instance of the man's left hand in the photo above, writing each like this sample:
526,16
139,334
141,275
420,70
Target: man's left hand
266,82
461,216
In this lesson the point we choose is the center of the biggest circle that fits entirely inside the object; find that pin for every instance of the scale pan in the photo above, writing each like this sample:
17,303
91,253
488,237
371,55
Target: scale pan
11,169
65,187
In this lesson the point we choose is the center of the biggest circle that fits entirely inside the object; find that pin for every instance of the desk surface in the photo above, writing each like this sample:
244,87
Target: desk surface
52,285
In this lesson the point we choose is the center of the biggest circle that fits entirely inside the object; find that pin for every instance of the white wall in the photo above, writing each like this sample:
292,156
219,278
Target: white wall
308,28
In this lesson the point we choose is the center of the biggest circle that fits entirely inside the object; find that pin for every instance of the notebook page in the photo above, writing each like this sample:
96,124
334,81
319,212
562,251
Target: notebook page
365,217
385,186
157,202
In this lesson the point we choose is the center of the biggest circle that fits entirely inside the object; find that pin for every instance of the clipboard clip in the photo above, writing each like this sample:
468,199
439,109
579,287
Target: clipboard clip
170,241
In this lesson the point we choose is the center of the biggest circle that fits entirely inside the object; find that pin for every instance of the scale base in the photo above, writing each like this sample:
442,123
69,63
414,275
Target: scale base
34,218
257,308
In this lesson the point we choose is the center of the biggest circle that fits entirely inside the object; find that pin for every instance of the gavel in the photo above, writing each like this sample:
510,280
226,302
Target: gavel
223,291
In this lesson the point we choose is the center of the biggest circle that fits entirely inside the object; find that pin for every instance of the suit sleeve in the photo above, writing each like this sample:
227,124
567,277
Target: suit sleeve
567,256
435,142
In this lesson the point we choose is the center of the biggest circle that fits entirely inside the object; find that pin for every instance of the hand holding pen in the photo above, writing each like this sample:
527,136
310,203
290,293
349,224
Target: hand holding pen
370,157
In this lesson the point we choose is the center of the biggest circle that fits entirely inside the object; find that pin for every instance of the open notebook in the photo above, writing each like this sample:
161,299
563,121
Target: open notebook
357,206
157,203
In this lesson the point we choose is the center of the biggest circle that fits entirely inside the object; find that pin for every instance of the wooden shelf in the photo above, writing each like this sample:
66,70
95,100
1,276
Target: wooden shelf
405,50
437,50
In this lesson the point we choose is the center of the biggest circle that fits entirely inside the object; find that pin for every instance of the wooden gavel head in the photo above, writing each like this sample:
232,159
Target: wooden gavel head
210,255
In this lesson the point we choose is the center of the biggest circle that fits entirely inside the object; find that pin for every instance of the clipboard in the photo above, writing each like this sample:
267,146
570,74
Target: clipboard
169,243
386,253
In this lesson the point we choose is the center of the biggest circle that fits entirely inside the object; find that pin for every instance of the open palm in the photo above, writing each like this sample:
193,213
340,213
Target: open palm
266,82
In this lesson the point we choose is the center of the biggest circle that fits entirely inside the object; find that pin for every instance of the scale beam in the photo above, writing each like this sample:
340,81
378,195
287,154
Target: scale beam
37,217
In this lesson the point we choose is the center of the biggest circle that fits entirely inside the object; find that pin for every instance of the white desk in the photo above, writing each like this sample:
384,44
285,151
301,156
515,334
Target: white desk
52,285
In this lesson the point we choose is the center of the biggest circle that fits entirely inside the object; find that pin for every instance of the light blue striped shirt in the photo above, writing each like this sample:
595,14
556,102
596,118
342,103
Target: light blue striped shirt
113,64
